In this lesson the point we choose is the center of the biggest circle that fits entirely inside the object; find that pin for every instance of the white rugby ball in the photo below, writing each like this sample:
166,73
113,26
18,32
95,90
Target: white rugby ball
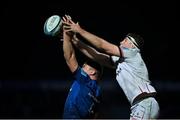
53,25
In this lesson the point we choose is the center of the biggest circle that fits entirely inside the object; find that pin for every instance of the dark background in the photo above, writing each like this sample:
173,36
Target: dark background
35,79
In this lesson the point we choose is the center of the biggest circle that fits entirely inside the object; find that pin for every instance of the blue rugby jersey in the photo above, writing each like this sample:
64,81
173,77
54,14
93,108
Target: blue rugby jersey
83,96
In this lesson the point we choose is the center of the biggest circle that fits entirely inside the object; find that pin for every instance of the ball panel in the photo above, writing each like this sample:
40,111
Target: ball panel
52,22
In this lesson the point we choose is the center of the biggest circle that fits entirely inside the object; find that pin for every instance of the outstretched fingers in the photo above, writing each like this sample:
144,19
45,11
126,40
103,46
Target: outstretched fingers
67,27
64,19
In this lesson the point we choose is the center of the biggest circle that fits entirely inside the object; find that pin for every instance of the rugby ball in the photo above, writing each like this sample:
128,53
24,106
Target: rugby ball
53,25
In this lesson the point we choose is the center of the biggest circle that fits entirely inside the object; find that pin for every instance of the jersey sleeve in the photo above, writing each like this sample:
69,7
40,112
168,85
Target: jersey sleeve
114,59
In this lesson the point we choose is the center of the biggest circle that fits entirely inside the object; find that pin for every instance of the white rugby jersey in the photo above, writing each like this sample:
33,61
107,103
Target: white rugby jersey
132,74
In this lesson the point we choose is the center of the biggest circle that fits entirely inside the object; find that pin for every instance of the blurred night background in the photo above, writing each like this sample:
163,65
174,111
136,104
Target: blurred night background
34,78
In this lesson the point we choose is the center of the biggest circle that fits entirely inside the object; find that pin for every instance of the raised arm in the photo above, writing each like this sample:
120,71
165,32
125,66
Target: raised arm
93,54
96,41
69,53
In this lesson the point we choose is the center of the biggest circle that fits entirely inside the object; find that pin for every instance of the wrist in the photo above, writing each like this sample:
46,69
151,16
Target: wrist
81,31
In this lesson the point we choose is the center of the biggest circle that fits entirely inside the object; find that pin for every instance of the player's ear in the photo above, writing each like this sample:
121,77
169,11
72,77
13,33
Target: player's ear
84,65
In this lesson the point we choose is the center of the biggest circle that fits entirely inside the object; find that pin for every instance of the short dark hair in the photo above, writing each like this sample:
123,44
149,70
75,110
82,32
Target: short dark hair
139,40
95,65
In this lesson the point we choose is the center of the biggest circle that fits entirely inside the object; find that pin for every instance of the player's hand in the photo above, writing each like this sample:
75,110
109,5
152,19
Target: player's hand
70,25
66,19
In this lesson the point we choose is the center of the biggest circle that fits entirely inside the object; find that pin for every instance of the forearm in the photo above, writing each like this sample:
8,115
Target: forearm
67,47
96,41
92,53
85,49
69,53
